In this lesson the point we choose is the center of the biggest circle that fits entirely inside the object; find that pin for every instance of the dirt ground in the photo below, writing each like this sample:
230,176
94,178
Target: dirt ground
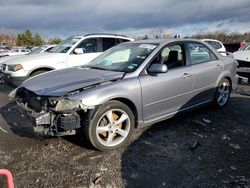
205,148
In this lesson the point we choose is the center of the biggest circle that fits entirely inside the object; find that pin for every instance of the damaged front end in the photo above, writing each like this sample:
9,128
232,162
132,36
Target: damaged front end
54,116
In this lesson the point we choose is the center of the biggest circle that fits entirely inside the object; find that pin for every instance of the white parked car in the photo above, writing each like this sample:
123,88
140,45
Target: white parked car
247,47
41,49
16,51
74,51
36,50
243,58
218,45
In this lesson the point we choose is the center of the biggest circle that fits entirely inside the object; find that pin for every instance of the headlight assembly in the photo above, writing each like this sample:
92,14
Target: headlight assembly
12,94
15,67
68,106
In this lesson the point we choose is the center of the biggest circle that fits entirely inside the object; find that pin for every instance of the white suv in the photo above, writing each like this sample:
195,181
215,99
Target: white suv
74,51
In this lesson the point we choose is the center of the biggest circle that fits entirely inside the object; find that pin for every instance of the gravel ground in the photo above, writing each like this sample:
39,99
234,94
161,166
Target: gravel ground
204,148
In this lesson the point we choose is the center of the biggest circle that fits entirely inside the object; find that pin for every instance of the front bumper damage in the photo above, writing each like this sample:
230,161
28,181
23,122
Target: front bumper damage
62,118
243,69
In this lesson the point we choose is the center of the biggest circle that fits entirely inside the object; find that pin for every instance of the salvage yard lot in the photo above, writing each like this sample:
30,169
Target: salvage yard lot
205,148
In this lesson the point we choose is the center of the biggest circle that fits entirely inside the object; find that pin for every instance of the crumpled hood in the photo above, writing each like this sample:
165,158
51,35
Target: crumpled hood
61,82
242,55
37,57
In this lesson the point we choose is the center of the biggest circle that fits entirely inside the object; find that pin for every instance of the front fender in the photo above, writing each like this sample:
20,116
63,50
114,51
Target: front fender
125,88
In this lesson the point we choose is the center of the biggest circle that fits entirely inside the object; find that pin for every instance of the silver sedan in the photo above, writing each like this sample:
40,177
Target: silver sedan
132,84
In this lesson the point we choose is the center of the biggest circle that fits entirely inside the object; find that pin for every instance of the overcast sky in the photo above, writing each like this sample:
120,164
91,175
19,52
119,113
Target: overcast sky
67,17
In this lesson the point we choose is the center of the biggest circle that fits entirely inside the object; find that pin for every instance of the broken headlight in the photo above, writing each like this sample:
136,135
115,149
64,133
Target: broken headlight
12,94
68,106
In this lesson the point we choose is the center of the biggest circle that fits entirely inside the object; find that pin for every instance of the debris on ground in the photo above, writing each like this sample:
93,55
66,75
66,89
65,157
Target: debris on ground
235,146
97,179
95,157
220,170
194,145
240,181
199,122
206,120
202,121
225,137
200,135
1,129
233,167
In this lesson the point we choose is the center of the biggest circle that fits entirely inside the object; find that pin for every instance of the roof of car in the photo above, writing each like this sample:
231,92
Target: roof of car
105,34
211,40
164,41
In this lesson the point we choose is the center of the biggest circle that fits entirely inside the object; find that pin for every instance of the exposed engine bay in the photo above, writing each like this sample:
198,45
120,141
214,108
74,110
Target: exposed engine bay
54,116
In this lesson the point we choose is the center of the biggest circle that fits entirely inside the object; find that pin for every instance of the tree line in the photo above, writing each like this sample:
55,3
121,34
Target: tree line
224,37
27,38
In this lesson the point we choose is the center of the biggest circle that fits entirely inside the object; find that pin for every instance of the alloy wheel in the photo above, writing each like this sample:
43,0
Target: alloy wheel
113,127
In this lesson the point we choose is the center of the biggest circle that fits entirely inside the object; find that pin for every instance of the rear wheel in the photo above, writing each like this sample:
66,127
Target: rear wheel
222,93
111,126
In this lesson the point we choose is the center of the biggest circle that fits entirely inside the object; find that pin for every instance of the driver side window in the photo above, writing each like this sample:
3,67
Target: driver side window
172,56
88,45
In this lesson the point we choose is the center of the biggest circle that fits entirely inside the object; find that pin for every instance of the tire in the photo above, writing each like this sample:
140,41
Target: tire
104,130
222,94
37,73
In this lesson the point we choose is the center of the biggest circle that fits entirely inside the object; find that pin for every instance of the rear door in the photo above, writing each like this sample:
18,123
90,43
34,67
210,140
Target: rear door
205,69
169,92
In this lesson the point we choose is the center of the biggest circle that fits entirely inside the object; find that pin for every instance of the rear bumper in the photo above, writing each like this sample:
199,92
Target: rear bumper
14,81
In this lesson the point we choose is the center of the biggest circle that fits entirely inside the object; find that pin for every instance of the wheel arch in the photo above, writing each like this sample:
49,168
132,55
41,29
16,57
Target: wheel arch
225,75
229,79
40,69
130,104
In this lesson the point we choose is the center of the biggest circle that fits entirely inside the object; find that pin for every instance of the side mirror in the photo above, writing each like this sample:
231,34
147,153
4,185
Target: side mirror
78,51
157,69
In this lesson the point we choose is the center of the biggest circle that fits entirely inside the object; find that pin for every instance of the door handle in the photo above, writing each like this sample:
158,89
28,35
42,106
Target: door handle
186,75
218,66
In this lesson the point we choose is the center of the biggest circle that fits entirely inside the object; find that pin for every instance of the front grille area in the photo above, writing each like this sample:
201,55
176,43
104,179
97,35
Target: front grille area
243,63
32,100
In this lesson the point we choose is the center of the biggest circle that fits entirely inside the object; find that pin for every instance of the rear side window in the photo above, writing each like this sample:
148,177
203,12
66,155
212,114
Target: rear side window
199,53
108,43
122,40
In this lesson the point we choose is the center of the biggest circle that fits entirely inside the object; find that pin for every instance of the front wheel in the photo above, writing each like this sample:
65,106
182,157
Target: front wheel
111,126
222,93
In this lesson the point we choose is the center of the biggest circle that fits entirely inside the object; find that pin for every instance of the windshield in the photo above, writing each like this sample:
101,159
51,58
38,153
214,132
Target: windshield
36,50
247,47
124,58
65,45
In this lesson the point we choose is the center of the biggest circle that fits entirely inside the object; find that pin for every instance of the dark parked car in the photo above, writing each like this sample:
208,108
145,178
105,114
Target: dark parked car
132,84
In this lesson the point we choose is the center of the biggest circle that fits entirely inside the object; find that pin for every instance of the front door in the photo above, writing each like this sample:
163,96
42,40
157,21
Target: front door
169,92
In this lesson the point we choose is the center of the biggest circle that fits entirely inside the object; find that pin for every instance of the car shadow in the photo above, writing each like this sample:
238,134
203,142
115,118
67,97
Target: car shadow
191,150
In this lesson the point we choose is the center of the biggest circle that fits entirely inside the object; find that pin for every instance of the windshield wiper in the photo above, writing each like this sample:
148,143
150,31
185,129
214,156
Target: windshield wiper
98,68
